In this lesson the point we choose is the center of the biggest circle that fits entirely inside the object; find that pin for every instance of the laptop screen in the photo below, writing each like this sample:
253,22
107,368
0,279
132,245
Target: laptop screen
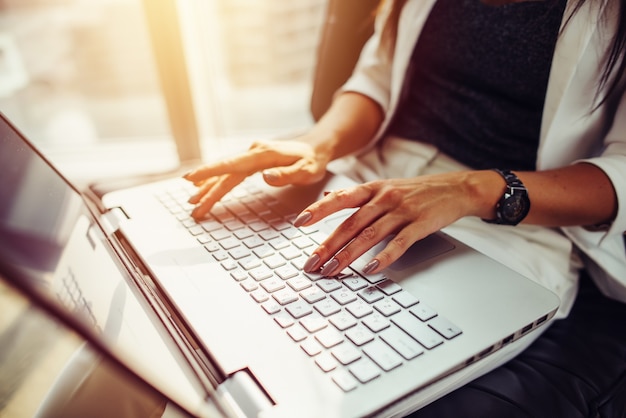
37,208
51,243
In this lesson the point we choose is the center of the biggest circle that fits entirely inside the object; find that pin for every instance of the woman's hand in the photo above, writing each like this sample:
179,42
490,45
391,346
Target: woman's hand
408,209
282,163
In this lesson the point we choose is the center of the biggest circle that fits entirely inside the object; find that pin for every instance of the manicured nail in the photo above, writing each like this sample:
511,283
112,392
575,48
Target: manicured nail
371,266
303,218
330,267
311,264
270,175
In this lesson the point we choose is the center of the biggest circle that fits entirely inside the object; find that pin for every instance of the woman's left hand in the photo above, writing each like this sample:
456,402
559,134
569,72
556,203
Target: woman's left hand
408,209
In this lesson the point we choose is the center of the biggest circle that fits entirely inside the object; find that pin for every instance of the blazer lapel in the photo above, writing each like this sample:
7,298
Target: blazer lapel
574,38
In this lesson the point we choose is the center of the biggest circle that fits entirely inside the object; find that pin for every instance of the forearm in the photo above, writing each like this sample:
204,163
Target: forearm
580,194
348,126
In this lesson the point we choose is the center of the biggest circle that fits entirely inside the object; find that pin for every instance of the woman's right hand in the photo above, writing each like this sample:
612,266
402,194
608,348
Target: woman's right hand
282,163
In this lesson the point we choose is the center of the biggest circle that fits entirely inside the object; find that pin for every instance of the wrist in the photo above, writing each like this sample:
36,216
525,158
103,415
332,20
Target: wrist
486,187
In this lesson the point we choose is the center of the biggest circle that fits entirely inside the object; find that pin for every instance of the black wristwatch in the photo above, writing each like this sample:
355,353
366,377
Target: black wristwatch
514,204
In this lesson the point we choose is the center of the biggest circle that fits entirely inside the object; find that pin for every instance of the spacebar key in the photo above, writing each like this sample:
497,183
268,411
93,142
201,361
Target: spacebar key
417,330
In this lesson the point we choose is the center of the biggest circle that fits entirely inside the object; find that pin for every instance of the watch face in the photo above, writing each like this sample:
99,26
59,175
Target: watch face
515,207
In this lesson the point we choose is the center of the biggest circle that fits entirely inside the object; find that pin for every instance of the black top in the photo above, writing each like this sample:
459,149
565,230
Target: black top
477,81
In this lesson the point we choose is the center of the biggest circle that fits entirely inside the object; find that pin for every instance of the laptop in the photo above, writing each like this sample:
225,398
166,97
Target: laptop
220,311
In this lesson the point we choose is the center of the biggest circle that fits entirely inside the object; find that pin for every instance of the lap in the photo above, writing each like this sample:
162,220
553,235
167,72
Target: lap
577,368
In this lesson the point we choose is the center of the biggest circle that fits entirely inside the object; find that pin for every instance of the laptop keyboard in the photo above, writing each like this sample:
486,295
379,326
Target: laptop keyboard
354,327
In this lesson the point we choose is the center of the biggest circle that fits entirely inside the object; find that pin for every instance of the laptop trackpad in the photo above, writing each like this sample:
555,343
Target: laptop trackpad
424,249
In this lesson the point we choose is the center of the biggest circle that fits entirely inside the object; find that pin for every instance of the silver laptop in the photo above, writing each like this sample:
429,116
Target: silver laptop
230,304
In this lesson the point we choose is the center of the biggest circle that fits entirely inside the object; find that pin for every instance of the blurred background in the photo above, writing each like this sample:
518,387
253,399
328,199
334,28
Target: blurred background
116,87
109,88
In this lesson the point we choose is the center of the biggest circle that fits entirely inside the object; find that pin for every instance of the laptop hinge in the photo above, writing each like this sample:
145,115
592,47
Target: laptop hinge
244,395
111,220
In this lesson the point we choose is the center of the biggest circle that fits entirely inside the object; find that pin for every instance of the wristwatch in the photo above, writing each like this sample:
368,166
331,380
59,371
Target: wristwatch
514,204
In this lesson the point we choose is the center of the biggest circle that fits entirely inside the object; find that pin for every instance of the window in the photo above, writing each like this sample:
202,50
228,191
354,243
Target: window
78,78
251,64
89,81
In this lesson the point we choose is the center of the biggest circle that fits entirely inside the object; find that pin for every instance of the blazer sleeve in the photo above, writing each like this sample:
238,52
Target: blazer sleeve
605,249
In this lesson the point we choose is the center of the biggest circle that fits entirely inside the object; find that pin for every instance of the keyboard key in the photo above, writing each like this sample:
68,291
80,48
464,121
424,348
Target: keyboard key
346,353
250,263
355,283
329,337
239,274
253,242
405,299
284,320
311,347
359,335
297,333
299,283
327,307
220,234
371,294
326,362
263,251
417,330
249,285
259,295
329,285
387,307
272,284
314,323
244,233
299,309
303,242
312,294
423,312
343,296
342,321
271,307
285,296
364,370
291,233
383,355
376,322
401,342
239,253
389,287
344,380
274,261
444,327
290,253
286,272
359,308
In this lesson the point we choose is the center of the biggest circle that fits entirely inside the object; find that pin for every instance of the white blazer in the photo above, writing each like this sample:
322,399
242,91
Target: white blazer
571,130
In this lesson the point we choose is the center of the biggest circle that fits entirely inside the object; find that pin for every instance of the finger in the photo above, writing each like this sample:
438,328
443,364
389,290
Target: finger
365,231
302,172
204,187
246,163
394,249
225,184
334,202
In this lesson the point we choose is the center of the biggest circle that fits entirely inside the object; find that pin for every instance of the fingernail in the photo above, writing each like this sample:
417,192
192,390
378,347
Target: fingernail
311,264
270,175
327,192
330,267
371,266
303,218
